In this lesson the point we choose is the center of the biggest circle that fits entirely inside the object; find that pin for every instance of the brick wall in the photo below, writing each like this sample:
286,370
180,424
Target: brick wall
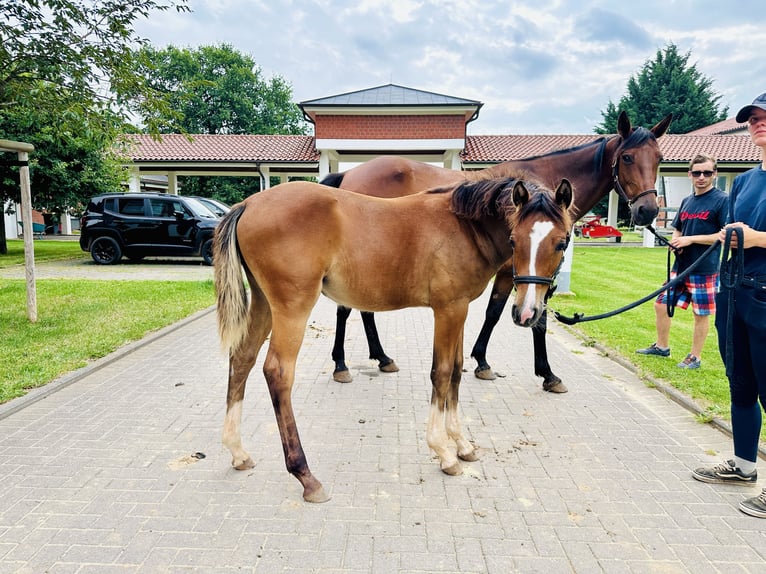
390,127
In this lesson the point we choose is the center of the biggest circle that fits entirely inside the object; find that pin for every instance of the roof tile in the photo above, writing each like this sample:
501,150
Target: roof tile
216,147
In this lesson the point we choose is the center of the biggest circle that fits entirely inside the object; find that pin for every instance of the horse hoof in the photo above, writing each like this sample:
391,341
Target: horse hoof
342,376
472,456
555,387
389,367
485,374
244,465
453,469
316,496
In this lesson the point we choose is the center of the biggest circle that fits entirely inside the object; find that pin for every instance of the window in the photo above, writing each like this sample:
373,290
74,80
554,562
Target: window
132,206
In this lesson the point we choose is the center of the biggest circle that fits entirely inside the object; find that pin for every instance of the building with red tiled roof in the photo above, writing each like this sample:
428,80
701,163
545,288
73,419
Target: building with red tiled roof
357,126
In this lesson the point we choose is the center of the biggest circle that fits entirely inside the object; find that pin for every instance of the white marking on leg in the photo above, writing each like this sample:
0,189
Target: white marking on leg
232,437
436,437
540,230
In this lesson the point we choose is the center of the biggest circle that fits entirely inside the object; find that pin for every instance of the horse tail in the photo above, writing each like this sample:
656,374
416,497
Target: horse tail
229,284
333,179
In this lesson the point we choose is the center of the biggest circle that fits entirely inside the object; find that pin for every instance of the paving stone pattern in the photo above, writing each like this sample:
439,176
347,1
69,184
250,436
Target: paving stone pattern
100,476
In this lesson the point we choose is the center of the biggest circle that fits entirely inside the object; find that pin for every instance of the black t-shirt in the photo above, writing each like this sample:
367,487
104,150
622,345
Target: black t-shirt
701,215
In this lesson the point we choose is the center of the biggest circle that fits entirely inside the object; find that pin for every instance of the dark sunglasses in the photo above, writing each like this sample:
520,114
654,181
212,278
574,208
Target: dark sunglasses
706,173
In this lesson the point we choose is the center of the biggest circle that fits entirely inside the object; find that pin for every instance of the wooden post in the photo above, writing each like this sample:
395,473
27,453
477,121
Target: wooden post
23,149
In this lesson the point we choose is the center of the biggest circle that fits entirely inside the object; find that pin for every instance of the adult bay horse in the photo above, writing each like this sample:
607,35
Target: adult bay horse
626,162
436,249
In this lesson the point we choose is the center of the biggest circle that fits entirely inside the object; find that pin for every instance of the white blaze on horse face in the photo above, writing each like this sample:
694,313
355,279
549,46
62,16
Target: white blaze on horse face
540,231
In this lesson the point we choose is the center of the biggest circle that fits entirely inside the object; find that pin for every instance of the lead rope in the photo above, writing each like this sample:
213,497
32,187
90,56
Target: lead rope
580,318
732,271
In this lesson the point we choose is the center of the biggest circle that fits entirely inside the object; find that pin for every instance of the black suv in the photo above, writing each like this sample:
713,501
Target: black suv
141,224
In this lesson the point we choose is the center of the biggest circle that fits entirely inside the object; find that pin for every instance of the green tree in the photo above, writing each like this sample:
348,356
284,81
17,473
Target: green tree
663,85
70,63
73,157
218,90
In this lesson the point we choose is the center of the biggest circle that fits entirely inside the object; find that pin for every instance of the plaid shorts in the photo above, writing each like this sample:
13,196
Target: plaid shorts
699,290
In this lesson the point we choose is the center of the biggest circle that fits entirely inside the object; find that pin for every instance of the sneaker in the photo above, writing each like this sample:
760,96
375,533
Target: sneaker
755,506
690,362
725,473
653,349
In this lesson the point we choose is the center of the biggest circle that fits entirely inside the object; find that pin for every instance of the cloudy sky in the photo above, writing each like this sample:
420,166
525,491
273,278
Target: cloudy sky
539,66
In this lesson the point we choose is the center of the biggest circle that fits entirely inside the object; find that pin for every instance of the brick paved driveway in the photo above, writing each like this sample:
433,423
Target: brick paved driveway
98,476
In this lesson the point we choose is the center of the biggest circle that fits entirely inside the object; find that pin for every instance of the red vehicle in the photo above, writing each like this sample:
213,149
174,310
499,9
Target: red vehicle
590,226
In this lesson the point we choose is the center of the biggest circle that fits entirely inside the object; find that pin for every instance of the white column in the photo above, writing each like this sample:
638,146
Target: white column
324,164
134,180
266,177
611,214
452,159
563,283
66,223
172,183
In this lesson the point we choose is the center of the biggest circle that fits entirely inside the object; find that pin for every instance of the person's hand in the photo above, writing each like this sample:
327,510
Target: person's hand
748,237
680,242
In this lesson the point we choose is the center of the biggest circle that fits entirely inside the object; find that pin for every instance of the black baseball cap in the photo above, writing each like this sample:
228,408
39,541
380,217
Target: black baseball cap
744,113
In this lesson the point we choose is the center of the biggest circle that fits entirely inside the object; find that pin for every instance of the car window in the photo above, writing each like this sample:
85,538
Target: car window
163,207
131,206
199,209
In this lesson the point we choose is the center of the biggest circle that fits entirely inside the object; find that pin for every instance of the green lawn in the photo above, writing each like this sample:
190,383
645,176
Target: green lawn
607,278
90,319
45,250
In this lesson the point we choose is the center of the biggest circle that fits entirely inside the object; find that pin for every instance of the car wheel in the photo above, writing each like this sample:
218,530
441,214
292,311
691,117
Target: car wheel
207,251
105,251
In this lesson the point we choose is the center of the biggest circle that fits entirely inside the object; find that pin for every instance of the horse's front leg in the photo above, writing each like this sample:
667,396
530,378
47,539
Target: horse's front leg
341,372
446,368
551,382
279,370
385,363
501,289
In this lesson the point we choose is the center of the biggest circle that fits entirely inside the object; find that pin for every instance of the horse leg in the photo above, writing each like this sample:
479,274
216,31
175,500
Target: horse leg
241,362
448,329
279,370
501,289
385,363
465,450
341,372
551,382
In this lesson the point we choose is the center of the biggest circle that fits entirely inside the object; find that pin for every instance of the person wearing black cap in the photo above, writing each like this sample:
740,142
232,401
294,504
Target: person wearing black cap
746,309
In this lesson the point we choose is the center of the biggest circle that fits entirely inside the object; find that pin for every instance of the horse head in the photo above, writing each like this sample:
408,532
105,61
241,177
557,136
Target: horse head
635,165
540,234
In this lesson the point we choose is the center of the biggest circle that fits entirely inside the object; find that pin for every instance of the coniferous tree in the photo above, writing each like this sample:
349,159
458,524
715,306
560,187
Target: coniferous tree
663,85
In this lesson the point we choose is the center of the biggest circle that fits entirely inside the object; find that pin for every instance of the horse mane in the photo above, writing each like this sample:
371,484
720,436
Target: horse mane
638,136
543,202
486,197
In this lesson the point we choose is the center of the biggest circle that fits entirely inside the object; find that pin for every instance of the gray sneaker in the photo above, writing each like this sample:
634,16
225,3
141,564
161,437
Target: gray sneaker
725,473
653,349
690,362
755,506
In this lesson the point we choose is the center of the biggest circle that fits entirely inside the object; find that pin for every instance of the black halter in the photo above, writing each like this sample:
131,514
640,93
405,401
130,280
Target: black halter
538,279
618,186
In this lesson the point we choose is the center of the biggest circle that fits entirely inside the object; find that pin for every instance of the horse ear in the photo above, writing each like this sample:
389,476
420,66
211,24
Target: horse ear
623,125
662,126
520,194
564,194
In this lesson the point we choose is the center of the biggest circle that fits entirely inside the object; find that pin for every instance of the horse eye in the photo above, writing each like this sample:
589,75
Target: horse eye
562,246
512,242
627,159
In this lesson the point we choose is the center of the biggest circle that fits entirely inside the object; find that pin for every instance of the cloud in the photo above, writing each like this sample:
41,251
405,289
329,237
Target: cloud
605,26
